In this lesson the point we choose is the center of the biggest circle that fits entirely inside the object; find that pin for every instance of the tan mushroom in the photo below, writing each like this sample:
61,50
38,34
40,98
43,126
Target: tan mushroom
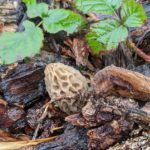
63,83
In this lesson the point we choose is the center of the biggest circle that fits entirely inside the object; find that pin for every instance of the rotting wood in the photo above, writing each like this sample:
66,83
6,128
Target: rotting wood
23,85
108,120
99,110
9,114
8,11
8,15
104,136
135,143
73,138
123,82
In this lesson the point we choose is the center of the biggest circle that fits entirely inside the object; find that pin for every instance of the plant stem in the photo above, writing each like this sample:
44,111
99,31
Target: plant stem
41,22
55,45
117,15
138,51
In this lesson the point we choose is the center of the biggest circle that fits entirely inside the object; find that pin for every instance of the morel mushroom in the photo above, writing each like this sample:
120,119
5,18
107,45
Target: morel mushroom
63,83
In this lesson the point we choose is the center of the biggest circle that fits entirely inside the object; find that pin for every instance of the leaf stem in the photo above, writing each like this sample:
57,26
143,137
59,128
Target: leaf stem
41,22
116,14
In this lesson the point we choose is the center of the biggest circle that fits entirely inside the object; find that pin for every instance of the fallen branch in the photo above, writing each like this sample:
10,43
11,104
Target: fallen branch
123,82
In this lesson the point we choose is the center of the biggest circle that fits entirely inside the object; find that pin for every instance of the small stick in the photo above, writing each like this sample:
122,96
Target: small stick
40,122
138,51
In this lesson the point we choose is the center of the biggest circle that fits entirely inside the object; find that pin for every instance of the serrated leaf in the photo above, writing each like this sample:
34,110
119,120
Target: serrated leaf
29,1
110,33
16,46
95,45
133,13
37,10
63,20
98,6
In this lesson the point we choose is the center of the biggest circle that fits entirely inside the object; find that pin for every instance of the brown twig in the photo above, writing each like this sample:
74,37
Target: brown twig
138,51
54,44
44,114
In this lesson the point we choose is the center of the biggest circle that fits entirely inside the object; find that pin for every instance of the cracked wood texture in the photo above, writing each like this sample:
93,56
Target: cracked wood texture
8,15
123,82
23,85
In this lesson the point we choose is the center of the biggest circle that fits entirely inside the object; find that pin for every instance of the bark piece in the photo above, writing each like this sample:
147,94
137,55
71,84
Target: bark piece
123,82
103,137
9,114
34,113
99,111
140,115
8,11
24,84
144,69
20,127
111,119
72,139
8,14
47,124
135,143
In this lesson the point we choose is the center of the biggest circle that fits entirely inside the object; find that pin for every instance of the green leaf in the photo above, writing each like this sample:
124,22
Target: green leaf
37,10
95,45
110,33
16,46
29,1
63,20
133,13
98,6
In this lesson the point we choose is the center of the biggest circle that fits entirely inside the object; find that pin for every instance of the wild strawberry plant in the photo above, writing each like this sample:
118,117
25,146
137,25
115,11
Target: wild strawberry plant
122,15
103,35
18,45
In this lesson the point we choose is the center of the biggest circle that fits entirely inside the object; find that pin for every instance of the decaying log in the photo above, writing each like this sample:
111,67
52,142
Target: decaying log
48,125
99,111
111,119
8,11
72,139
102,137
9,115
8,14
123,82
136,143
141,115
24,84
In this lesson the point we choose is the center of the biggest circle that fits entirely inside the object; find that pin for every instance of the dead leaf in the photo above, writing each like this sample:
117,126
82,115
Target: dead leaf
79,51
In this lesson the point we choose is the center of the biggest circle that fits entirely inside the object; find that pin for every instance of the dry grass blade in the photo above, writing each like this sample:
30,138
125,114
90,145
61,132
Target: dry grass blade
20,144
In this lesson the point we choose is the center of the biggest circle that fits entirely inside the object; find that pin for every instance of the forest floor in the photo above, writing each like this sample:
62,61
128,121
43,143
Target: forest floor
113,114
